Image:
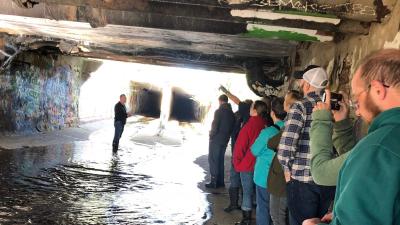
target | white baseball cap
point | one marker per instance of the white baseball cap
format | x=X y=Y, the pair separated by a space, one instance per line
x=316 y=77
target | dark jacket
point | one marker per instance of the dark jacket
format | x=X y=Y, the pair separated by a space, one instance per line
x=241 y=117
x=120 y=113
x=222 y=124
x=276 y=178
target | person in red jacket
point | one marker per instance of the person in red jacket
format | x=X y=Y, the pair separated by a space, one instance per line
x=243 y=159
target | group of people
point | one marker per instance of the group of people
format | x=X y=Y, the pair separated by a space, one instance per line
x=301 y=158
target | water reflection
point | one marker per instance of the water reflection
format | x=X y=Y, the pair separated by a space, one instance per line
x=86 y=183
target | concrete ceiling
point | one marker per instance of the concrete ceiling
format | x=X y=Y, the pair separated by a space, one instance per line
x=222 y=35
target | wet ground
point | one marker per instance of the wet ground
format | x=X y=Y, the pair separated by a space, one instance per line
x=155 y=178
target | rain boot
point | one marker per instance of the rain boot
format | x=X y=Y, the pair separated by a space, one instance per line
x=212 y=184
x=246 y=220
x=233 y=198
x=115 y=147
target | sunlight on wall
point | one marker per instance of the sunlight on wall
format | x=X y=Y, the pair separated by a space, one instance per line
x=101 y=91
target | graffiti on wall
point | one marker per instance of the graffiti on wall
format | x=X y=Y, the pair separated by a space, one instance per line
x=35 y=99
x=305 y=6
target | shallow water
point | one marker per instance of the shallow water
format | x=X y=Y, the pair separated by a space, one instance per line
x=150 y=180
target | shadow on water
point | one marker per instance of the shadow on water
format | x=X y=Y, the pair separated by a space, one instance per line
x=85 y=183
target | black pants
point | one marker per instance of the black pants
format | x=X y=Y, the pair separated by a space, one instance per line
x=307 y=201
x=216 y=158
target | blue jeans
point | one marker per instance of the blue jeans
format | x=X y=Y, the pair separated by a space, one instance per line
x=119 y=129
x=247 y=186
x=307 y=201
x=234 y=177
x=262 y=211
x=278 y=210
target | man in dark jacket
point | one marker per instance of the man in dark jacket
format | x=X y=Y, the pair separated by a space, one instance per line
x=221 y=130
x=119 y=120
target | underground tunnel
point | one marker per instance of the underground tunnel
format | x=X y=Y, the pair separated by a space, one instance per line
x=68 y=102
x=43 y=91
x=146 y=100
x=183 y=106
x=64 y=64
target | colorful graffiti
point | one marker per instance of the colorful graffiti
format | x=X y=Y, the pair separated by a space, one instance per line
x=35 y=99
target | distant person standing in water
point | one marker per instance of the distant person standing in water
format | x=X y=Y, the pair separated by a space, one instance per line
x=119 y=120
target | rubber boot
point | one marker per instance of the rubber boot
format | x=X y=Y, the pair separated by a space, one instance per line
x=115 y=148
x=246 y=220
x=212 y=184
x=233 y=198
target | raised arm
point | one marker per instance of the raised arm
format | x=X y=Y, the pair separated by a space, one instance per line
x=232 y=97
x=325 y=166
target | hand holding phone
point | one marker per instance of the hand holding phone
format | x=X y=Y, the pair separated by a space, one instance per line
x=324 y=105
x=343 y=112
x=334 y=100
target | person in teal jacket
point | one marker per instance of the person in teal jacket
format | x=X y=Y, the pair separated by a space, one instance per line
x=368 y=188
x=264 y=157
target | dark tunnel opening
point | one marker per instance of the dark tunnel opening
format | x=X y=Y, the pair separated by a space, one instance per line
x=184 y=108
x=147 y=102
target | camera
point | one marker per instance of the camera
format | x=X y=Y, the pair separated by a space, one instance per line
x=335 y=99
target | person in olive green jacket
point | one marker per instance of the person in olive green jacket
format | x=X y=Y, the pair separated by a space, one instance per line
x=326 y=133
x=368 y=188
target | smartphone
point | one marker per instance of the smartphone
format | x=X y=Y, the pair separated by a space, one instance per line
x=335 y=99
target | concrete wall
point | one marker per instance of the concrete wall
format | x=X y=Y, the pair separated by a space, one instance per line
x=39 y=93
x=341 y=59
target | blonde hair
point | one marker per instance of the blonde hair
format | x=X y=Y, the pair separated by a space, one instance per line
x=291 y=97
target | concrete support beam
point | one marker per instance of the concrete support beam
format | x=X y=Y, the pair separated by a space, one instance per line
x=204 y=16
x=271 y=15
x=345 y=26
x=135 y=38
x=199 y=10
x=367 y=11
x=157 y=15
x=155 y=46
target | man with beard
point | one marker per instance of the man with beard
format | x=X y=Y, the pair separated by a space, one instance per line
x=369 y=181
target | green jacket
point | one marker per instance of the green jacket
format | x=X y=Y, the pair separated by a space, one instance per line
x=325 y=134
x=368 y=190
x=276 y=178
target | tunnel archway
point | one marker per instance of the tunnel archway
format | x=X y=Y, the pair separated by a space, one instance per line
x=146 y=100
x=185 y=108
